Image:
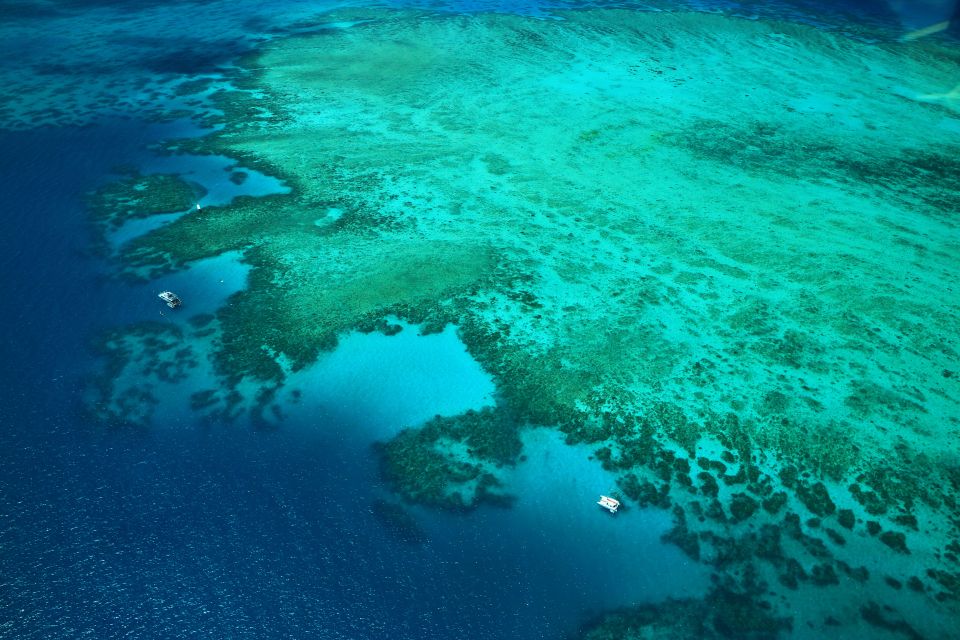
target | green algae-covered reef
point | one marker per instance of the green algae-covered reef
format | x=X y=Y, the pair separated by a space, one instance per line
x=731 y=609
x=139 y=196
x=453 y=462
x=723 y=252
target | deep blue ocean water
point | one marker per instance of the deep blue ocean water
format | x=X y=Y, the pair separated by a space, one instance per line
x=188 y=530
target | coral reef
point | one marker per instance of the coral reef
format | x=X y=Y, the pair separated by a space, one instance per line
x=732 y=609
x=453 y=462
x=657 y=241
x=136 y=360
x=138 y=196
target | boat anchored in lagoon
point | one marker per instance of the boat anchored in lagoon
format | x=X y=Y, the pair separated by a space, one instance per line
x=173 y=300
x=608 y=503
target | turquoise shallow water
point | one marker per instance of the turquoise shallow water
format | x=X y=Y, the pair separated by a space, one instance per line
x=715 y=262
x=568 y=556
x=388 y=383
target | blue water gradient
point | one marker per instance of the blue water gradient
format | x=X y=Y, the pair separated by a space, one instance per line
x=196 y=530
x=191 y=530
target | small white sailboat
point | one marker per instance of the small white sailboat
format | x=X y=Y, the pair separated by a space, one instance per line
x=198 y=206
x=173 y=300
x=608 y=503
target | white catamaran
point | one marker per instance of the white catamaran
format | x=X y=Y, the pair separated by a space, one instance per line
x=609 y=504
x=173 y=300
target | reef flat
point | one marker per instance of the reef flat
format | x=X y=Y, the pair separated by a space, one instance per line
x=138 y=197
x=722 y=251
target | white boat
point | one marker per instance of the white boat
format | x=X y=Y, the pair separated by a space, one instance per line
x=173 y=300
x=609 y=504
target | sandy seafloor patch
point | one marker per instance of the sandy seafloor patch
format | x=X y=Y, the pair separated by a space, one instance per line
x=719 y=254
